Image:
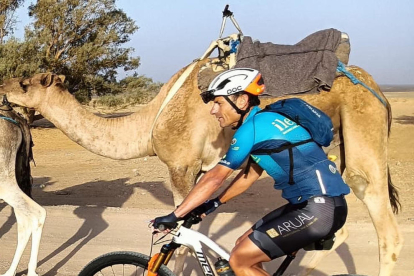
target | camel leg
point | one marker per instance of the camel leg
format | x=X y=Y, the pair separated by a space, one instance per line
x=367 y=175
x=390 y=240
x=30 y=219
x=340 y=236
x=182 y=181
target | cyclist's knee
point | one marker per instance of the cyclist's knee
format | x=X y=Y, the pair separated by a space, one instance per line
x=234 y=262
x=242 y=266
x=244 y=236
x=240 y=256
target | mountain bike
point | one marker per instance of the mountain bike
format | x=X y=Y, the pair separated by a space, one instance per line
x=133 y=263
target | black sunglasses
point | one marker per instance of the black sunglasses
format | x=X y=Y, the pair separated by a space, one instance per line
x=208 y=95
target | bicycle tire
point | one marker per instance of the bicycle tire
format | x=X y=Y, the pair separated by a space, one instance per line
x=348 y=275
x=123 y=259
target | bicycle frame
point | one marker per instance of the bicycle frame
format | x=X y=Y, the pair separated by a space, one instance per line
x=194 y=241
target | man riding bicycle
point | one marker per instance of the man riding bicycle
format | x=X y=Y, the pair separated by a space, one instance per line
x=314 y=190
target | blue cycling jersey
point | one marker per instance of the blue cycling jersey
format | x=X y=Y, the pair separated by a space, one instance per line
x=313 y=173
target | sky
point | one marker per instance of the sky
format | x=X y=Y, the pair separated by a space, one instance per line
x=172 y=34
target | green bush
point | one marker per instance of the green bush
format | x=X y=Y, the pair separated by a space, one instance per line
x=111 y=100
x=82 y=96
x=130 y=91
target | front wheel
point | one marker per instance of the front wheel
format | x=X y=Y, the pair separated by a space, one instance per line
x=121 y=263
x=348 y=275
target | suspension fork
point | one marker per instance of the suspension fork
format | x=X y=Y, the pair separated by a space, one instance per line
x=162 y=258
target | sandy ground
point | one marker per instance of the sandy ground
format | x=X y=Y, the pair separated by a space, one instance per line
x=97 y=205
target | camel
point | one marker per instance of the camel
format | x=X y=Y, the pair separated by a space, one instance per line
x=178 y=128
x=15 y=187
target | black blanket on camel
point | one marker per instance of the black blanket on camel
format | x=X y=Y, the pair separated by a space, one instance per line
x=306 y=67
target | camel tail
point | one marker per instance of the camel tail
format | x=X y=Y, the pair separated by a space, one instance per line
x=394 y=196
x=389 y=112
x=392 y=190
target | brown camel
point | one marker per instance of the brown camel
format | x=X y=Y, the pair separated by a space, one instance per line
x=15 y=187
x=189 y=141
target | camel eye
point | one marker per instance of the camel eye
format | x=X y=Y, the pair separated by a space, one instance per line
x=23 y=86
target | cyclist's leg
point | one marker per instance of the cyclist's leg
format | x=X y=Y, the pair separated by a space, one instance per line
x=298 y=225
x=246 y=258
x=244 y=236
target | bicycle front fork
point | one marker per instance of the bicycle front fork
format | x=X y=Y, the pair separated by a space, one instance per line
x=162 y=258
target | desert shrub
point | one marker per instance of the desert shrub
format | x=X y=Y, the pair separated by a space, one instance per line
x=130 y=91
x=82 y=96
x=111 y=100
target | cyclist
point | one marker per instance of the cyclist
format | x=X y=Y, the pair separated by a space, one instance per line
x=316 y=205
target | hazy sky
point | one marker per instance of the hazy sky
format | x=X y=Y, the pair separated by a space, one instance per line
x=173 y=33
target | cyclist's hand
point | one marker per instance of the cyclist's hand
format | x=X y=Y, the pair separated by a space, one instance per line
x=208 y=207
x=165 y=223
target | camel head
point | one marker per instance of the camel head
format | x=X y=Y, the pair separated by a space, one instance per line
x=32 y=92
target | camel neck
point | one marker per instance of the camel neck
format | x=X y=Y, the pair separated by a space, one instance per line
x=118 y=138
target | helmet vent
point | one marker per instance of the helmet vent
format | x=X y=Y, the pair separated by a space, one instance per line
x=222 y=84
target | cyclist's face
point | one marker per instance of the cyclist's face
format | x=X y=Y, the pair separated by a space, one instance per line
x=224 y=112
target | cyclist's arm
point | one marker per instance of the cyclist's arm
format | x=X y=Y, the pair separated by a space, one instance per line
x=241 y=183
x=208 y=184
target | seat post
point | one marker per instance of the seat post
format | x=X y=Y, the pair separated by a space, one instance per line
x=282 y=268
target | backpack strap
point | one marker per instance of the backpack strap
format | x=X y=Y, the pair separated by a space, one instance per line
x=286 y=146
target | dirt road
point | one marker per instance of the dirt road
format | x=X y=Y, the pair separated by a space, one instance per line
x=96 y=205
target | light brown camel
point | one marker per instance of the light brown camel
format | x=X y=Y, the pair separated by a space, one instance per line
x=183 y=134
x=15 y=177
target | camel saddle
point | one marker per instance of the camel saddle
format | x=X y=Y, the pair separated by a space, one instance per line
x=308 y=66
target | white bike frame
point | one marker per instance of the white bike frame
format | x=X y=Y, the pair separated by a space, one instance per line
x=194 y=241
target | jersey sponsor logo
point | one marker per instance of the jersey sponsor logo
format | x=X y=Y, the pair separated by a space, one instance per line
x=285 y=126
x=234 y=90
x=234 y=141
x=224 y=162
x=301 y=221
x=319 y=199
x=272 y=233
x=313 y=110
x=235 y=148
x=332 y=168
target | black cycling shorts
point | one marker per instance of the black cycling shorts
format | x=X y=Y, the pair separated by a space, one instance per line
x=294 y=226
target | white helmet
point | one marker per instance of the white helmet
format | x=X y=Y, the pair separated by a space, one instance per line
x=234 y=81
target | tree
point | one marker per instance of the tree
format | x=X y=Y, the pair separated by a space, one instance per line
x=7 y=18
x=18 y=59
x=83 y=39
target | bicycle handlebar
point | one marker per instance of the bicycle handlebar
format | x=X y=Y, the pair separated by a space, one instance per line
x=190 y=219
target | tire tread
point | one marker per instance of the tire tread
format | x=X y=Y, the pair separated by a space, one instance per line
x=120 y=257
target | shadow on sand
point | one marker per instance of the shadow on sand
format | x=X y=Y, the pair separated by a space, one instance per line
x=250 y=206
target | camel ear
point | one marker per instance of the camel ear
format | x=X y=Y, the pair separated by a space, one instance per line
x=46 y=79
x=25 y=82
x=62 y=78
